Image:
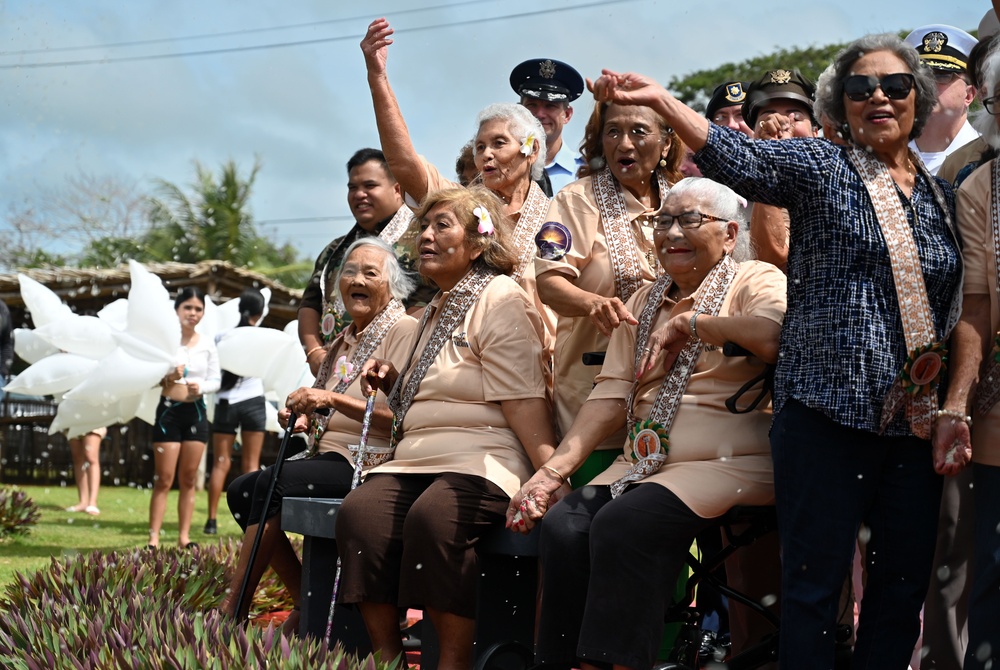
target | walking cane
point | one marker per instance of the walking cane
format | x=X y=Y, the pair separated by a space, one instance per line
x=275 y=473
x=359 y=461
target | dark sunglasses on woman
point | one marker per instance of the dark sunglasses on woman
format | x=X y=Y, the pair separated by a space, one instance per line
x=860 y=87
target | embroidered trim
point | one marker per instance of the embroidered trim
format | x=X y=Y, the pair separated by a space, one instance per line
x=622 y=249
x=708 y=300
x=533 y=212
x=393 y=230
x=453 y=310
x=370 y=338
x=989 y=385
x=911 y=292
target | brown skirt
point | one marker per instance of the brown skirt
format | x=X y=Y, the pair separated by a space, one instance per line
x=410 y=540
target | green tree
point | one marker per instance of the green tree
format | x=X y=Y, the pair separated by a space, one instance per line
x=696 y=88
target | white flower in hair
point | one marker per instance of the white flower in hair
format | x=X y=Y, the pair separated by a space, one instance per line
x=485 y=220
x=528 y=144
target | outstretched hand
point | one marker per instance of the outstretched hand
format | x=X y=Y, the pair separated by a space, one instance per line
x=375 y=45
x=626 y=89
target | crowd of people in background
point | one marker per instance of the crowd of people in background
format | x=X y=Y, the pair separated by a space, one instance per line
x=560 y=338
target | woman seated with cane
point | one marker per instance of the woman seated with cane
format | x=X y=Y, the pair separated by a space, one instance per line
x=664 y=377
x=373 y=285
x=471 y=423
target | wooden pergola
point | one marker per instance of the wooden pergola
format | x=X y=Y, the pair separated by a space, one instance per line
x=87 y=291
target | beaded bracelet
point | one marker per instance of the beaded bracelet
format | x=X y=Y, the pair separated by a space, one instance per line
x=955 y=414
x=555 y=472
x=694 y=324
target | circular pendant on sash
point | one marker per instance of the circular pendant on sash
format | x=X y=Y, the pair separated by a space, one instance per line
x=924 y=368
x=648 y=438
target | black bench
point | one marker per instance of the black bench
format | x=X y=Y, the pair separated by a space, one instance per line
x=507 y=593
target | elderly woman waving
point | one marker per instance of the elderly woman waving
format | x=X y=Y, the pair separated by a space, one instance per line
x=471 y=424
x=373 y=286
x=687 y=459
x=597 y=248
x=509 y=151
x=874 y=275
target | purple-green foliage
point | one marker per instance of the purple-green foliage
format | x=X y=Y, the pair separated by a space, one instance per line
x=142 y=609
x=18 y=512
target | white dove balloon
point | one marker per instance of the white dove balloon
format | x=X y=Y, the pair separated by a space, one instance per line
x=54 y=374
x=115 y=314
x=30 y=347
x=273 y=355
x=84 y=335
x=44 y=305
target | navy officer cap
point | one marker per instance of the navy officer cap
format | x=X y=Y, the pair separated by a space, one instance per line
x=546 y=79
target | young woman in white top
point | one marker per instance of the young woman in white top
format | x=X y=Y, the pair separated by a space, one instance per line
x=240 y=405
x=181 y=428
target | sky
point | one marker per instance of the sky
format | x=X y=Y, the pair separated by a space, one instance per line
x=303 y=109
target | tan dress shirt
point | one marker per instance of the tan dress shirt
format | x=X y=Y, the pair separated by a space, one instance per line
x=456 y=423
x=341 y=430
x=588 y=265
x=716 y=459
x=974 y=203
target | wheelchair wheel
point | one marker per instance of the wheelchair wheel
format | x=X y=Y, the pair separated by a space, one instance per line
x=505 y=656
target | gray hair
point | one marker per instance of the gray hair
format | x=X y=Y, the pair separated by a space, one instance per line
x=401 y=284
x=520 y=123
x=989 y=80
x=723 y=202
x=831 y=98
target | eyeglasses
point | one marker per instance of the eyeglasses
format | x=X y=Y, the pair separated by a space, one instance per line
x=945 y=78
x=687 y=220
x=895 y=86
x=991 y=105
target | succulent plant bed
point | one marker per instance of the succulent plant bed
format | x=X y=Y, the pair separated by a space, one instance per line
x=18 y=512
x=85 y=596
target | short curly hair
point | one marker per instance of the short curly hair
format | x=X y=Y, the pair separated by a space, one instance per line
x=495 y=249
x=831 y=98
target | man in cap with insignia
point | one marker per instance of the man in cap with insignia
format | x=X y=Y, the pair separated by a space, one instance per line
x=547 y=88
x=786 y=96
x=945 y=49
x=778 y=106
x=725 y=108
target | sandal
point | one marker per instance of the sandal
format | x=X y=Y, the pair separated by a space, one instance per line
x=92 y=510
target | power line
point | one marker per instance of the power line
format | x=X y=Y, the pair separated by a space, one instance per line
x=305 y=219
x=322 y=40
x=231 y=33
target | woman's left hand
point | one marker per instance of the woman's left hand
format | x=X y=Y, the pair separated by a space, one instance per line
x=952 y=445
x=301 y=420
x=305 y=401
x=530 y=504
x=670 y=339
x=193 y=390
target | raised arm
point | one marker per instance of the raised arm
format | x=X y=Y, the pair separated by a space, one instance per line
x=404 y=163
x=635 y=89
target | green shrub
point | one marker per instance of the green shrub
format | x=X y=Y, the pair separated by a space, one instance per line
x=143 y=609
x=18 y=512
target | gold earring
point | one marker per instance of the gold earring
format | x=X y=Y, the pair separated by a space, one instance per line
x=663 y=162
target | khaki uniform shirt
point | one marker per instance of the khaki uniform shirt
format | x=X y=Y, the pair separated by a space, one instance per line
x=973 y=207
x=588 y=265
x=342 y=430
x=456 y=423
x=716 y=459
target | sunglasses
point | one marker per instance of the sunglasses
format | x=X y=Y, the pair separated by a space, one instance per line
x=860 y=87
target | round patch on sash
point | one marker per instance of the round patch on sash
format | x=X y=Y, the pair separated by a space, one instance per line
x=553 y=240
x=924 y=368
x=647 y=439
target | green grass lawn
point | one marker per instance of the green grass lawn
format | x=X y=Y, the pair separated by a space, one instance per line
x=123 y=523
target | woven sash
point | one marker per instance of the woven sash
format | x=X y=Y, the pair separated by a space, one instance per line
x=371 y=337
x=708 y=300
x=533 y=212
x=453 y=310
x=622 y=247
x=989 y=384
x=912 y=388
